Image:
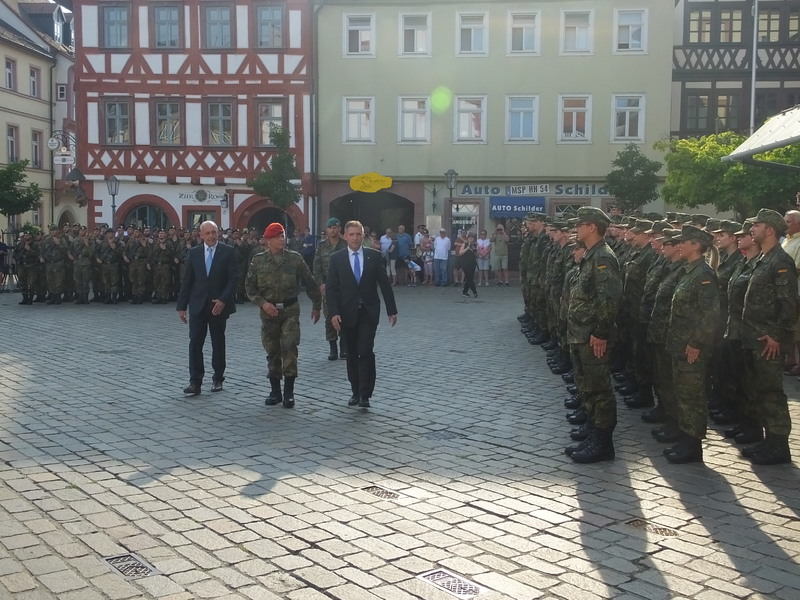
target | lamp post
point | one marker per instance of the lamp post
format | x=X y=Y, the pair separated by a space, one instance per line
x=112 y=183
x=451 y=180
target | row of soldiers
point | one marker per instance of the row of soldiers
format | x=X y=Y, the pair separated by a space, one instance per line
x=134 y=264
x=692 y=311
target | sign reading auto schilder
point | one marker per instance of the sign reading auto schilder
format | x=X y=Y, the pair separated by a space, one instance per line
x=534 y=189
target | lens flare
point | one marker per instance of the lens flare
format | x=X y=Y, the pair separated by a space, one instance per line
x=441 y=99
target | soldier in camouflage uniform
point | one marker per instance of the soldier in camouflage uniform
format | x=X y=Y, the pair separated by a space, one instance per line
x=26 y=257
x=161 y=260
x=54 y=257
x=322 y=258
x=524 y=257
x=535 y=265
x=768 y=321
x=593 y=306
x=273 y=284
x=109 y=257
x=137 y=255
x=81 y=254
x=693 y=320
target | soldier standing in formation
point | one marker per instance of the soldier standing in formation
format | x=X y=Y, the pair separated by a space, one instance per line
x=322 y=258
x=81 y=254
x=26 y=256
x=273 y=284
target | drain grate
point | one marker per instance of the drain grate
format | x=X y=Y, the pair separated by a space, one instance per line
x=652 y=528
x=443 y=434
x=380 y=492
x=131 y=566
x=451 y=583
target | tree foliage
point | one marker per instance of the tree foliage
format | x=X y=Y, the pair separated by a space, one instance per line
x=697 y=175
x=634 y=181
x=17 y=196
x=276 y=183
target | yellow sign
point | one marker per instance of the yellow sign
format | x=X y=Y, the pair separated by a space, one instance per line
x=370 y=182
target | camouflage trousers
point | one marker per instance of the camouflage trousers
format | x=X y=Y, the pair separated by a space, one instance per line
x=526 y=297
x=729 y=382
x=330 y=332
x=766 y=399
x=27 y=276
x=162 y=279
x=280 y=337
x=55 y=277
x=82 y=275
x=691 y=402
x=538 y=305
x=662 y=379
x=641 y=356
x=137 y=272
x=593 y=378
x=110 y=275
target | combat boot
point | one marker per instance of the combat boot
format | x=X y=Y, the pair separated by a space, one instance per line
x=334 y=353
x=577 y=417
x=668 y=433
x=774 y=451
x=551 y=345
x=107 y=299
x=568 y=377
x=572 y=402
x=655 y=415
x=24 y=299
x=749 y=434
x=642 y=399
x=598 y=446
x=579 y=434
x=689 y=449
x=288 y=392
x=275 y=396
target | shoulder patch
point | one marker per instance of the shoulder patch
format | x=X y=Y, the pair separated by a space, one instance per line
x=602 y=266
x=705 y=282
x=782 y=270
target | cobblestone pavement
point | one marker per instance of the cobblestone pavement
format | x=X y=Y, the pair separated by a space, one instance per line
x=101 y=456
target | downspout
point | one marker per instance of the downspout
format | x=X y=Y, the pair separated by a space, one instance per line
x=315 y=112
x=52 y=166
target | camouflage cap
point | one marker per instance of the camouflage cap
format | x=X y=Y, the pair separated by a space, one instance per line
x=670 y=216
x=771 y=218
x=592 y=214
x=745 y=230
x=573 y=222
x=53 y=227
x=728 y=226
x=534 y=216
x=699 y=219
x=615 y=219
x=712 y=225
x=658 y=227
x=630 y=223
x=671 y=236
x=654 y=216
x=691 y=233
x=642 y=226
x=682 y=218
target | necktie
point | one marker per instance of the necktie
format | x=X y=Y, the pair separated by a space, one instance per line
x=209 y=258
x=356 y=267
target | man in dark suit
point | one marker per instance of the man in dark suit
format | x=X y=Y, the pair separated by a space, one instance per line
x=208 y=288
x=351 y=289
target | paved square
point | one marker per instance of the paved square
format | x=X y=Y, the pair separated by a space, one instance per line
x=101 y=455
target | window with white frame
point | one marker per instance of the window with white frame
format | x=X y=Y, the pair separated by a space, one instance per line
x=115 y=25
x=269 y=24
x=470 y=119
x=415 y=35
x=167 y=26
x=35 y=82
x=12 y=144
x=11 y=74
x=521 y=118
x=117 y=122
x=472 y=33
x=630 y=31
x=168 y=123
x=359 y=35
x=220 y=124
x=36 y=149
x=61 y=92
x=576 y=31
x=219 y=27
x=574 y=119
x=270 y=115
x=414 y=119
x=359 y=120
x=628 y=118
x=523 y=35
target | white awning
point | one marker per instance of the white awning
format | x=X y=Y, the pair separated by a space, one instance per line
x=781 y=130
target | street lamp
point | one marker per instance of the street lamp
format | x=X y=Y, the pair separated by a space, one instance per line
x=451 y=180
x=112 y=183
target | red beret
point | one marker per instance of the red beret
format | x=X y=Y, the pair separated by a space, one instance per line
x=274 y=231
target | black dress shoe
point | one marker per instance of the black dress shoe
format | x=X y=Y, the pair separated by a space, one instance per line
x=216 y=386
x=192 y=389
x=363 y=403
x=353 y=400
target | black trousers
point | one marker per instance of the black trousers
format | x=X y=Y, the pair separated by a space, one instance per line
x=199 y=325
x=360 y=342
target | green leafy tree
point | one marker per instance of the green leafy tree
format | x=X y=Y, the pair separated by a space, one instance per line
x=634 y=181
x=276 y=183
x=17 y=196
x=696 y=174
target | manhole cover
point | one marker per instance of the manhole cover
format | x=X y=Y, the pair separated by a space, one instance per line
x=443 y=434
x=380 y=492
x=451 y=583
x=131 y=566
x=652 y=528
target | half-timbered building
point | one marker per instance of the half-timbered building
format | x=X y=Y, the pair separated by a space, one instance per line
x=177 y=99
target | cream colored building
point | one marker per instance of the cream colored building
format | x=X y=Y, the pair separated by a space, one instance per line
x=528 y=101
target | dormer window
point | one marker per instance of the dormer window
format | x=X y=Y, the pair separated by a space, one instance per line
x=58 y=27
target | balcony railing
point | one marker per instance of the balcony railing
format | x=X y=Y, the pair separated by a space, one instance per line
x=773 y=59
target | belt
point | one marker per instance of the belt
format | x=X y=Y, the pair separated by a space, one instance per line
x=285 y=304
